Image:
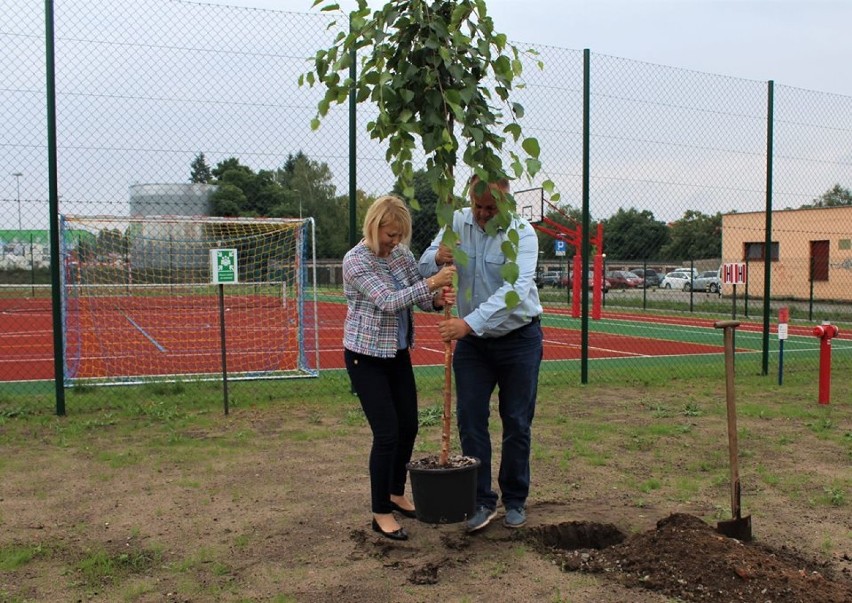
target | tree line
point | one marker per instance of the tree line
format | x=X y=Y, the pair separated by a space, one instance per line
x=303 y=187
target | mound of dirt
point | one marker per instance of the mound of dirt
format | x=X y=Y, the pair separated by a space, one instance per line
x=687 y=559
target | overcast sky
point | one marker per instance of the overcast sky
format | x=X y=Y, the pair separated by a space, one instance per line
x=800 y=43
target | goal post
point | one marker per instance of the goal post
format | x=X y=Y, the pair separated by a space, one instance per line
x=139 y=303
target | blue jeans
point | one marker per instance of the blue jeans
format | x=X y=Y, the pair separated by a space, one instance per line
x=388 y=395
x=510 y=363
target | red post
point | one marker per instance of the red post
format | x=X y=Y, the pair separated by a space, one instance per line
x=579 y=281
x=825 y=332
x=597 y=284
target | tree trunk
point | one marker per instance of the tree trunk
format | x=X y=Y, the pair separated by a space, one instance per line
x=448 y=395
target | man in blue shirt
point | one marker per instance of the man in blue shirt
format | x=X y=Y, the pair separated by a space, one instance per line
x=496 y=346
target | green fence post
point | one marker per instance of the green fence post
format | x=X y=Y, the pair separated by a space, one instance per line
x=767 y=259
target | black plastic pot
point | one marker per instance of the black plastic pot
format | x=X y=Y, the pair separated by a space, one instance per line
x=444 y=494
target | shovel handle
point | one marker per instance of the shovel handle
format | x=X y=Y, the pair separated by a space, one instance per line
x=729 y=326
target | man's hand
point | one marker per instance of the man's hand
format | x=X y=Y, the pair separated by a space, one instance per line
x=454 y=328
x=444 y=255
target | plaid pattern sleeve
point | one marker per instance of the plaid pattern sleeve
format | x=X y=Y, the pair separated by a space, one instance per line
x=373 y=299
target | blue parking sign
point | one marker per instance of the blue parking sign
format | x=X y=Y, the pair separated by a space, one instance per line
x=559 y=247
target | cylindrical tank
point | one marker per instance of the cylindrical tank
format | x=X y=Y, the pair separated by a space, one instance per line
x=164 y=246
x=171 y=199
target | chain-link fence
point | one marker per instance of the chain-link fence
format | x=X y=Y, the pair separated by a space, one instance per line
x=177 y=108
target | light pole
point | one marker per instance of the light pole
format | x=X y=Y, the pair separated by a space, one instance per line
x=17 y=176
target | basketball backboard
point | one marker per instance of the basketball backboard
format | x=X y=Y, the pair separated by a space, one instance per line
x=530 y=204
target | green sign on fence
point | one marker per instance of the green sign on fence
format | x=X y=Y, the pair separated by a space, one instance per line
x=223 y=265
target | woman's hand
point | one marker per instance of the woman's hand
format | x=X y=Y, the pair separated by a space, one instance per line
x=442 y=278
x=447 y=297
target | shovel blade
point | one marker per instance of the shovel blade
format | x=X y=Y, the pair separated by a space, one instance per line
x=739 y=528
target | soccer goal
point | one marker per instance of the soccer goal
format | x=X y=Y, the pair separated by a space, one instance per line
x=139 y=303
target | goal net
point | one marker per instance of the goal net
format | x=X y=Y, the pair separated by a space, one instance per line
x=139 y=302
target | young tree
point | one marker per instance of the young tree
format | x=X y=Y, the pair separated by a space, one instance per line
x=440 y=77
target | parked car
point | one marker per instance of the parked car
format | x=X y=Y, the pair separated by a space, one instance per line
x=677 y=280
x=687 y=270
x=650 y=277
x=606 y=285
x=621 y=279
x=548 y=279
x=707 y=281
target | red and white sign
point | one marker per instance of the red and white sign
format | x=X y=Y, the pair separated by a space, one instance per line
x=783 y=319
x=734 y=274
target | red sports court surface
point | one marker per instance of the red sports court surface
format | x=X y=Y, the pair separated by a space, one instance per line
x=190 y=342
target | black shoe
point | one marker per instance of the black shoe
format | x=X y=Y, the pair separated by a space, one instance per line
x=407 y=512
x=399 y=534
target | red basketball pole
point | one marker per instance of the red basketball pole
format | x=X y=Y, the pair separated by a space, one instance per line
x=597 y=280
x=577 y=284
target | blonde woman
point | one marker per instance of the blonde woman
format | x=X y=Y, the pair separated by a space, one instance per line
x=382 y=285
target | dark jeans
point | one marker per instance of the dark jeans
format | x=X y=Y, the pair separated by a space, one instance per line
x=510 y=363
x=388 y=396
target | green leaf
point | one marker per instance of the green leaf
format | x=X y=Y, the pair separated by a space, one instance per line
x=450 y=238
x=322 y=107
x=512 y=299
x=503 y=68
x=514 y=130
x=518 y=110
x=517 y=168
x=445 y=214
x=370 y=77
x=459 y=13
x=315 y=124
x=344 y=62
x=530 y=145
x=533 y=167
x=460 y=257
x=510 y=272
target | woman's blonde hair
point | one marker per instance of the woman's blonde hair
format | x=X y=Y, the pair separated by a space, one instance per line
x=388 y=210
